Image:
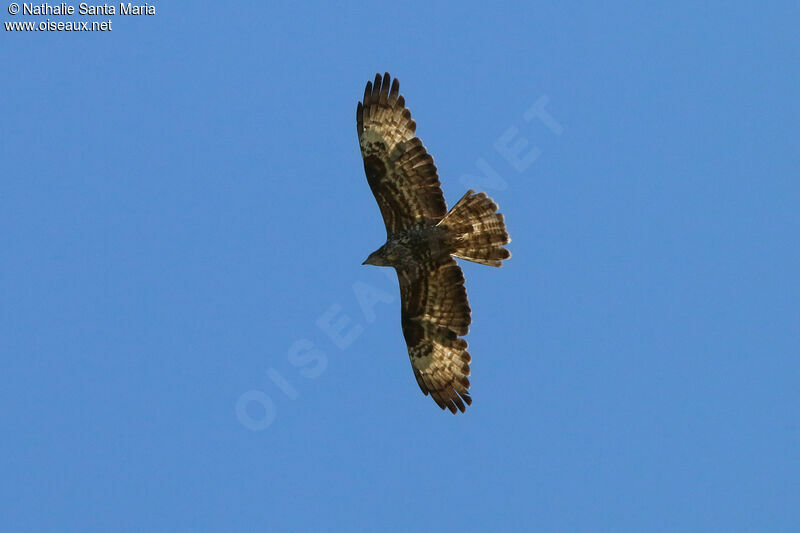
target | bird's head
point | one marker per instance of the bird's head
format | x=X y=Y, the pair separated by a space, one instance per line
x=378 y=258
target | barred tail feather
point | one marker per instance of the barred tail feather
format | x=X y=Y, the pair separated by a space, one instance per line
x=477 y=230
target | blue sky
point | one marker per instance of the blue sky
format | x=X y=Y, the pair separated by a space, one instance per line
x=184 y=335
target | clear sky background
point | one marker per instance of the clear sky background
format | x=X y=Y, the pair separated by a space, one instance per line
x=188 y=340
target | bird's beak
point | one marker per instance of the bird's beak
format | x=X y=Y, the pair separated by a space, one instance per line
x=365 y=261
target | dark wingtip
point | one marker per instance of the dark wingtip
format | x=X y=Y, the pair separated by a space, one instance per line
x=459 y=403
x=367 y=92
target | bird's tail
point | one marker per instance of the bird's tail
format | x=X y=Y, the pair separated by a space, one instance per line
x=477 y=231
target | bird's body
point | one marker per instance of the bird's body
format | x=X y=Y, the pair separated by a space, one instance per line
x=412 y=247
x=422 y=240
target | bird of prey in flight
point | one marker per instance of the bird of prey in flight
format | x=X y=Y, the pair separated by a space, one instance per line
x=422 y=238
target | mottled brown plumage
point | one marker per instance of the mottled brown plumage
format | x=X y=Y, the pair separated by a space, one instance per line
x=422 y=239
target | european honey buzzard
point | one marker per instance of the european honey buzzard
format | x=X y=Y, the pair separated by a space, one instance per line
x=422 y=239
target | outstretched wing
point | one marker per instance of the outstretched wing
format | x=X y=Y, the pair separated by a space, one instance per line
x=435 y=312
x=400 y=172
